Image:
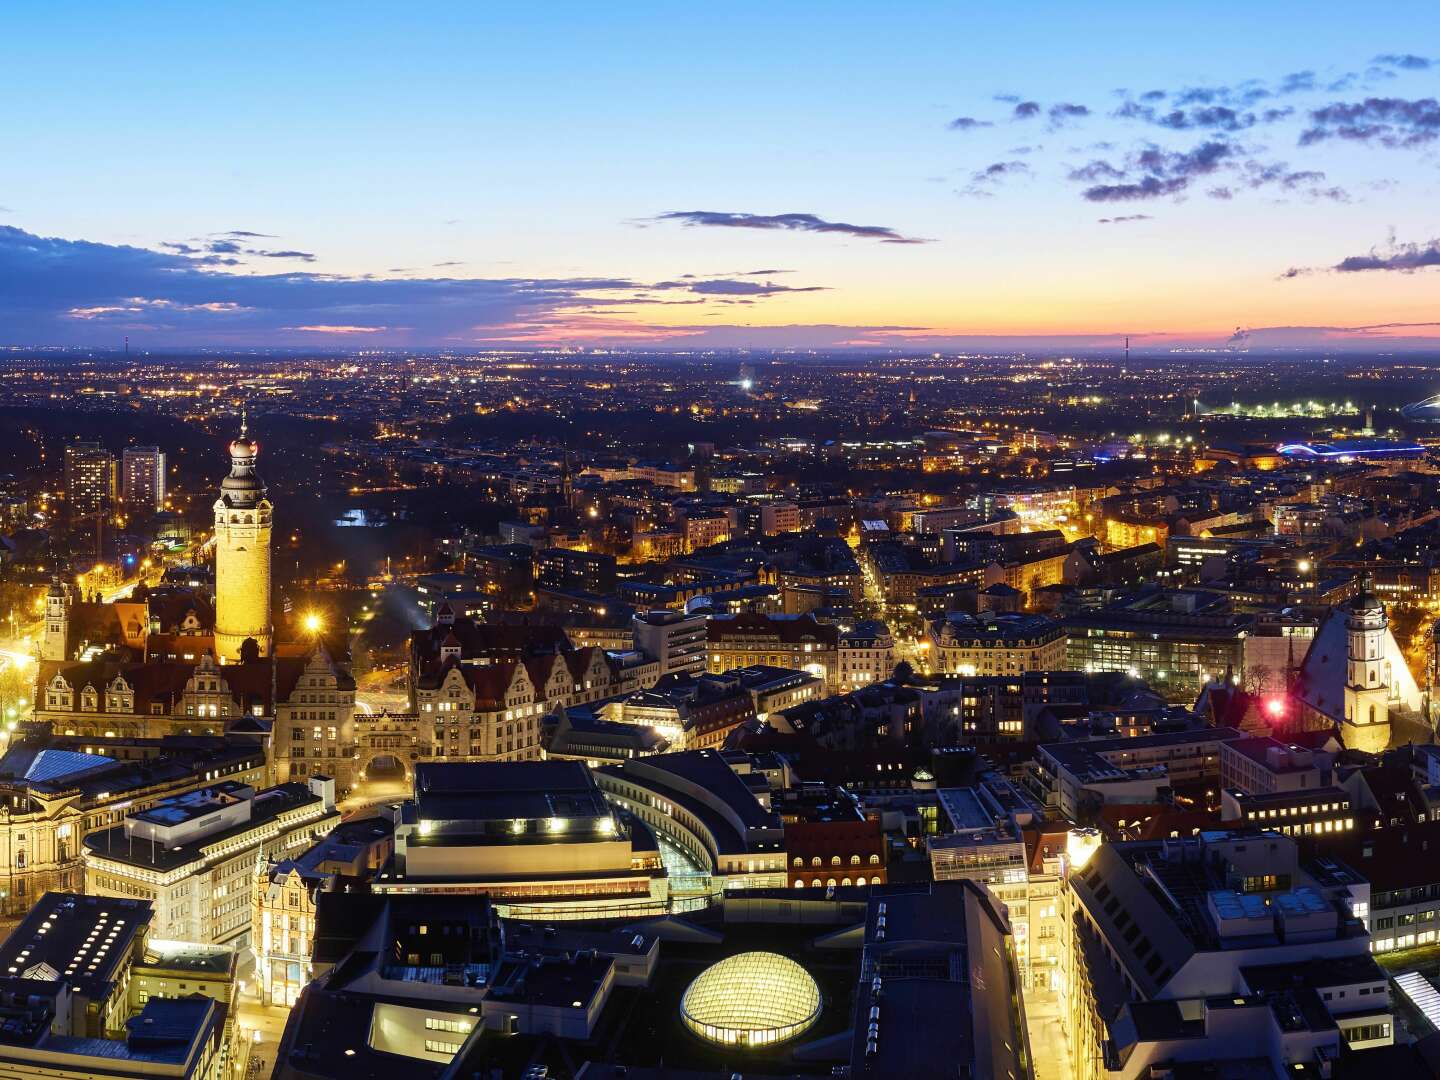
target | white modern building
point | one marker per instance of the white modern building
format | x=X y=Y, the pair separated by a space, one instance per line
x=194 y=856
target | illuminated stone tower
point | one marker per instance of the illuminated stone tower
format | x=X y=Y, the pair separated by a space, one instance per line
x=56 y=635
x=1367 y=674
x=242 y=555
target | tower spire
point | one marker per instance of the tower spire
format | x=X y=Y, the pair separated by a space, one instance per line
x=244 y=418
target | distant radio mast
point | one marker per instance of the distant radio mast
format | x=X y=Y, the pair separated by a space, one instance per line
x=127 y=345
x=1127 y=349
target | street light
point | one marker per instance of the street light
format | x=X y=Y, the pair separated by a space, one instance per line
x=314 y=623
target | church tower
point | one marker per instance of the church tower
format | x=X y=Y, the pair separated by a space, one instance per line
x=1367 y=674
x=242 y=555
x=54 y=640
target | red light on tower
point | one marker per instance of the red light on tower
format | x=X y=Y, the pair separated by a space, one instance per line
x=1276 y=708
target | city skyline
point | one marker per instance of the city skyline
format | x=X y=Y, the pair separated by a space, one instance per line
x=979 y=180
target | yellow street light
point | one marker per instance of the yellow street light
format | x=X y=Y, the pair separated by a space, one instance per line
x=314 y=623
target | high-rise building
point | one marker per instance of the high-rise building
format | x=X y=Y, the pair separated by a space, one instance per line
x=242 y=556
x=143 y=479
x=89 y=478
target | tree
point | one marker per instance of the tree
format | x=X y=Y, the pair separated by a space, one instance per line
x=903 y=672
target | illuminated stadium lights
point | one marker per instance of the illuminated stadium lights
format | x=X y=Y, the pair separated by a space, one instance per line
x=753 y=999
x=1349 y=448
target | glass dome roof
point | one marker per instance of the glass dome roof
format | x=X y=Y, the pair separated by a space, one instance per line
x=753 y=999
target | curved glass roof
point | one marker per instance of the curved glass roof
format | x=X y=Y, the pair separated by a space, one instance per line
x=752 y=999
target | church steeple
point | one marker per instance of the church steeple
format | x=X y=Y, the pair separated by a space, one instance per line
x=1368 y=674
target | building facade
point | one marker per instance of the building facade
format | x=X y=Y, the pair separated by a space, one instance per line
x=142 y=475
x=194 y=856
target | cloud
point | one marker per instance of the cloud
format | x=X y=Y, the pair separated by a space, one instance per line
x=1294 y=272
x=1154 y=172
x=1096 y=170
x=213 y=248
x=61 y=291
x=303 y=256
x=1403 y=61
x=1297 y=82
x=792 y=222
x=983 y=180
x=1026 y=110
x=1064 y=111
x=1397 y=123
x=1202 y=117
x=1123 y=219
x=1404 y=258
x=245 y=234
x=73 y=292
x=135 y=304
x=734 y=287
x=967 y=123
x=1150 y=187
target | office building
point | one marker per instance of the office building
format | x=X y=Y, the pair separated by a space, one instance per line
x=674 y=638
x=1174 y=641
x=59 y=791
x=788 y=641
x=87 y=993
x=938 y=984
x=1176 y=949
x=194 y=856
x=1076 y=778
x=435 y=985
x=992 y=644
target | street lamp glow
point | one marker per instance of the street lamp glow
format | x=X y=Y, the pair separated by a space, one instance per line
x=314 y=623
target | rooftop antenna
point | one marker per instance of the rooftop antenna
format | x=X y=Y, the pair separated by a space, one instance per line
x=1127 y=350
x=127 y=345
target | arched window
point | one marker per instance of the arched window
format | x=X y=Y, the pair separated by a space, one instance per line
x=815 y=860
x=799 y=861
x=874 y=860
x=854 y=860
x=816 y=883
x=860 y=881
x=831 y=883
x=834 y=860
x=845 y=881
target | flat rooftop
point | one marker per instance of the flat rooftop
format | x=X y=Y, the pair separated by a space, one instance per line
x=113 y=843
x=82 y=939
